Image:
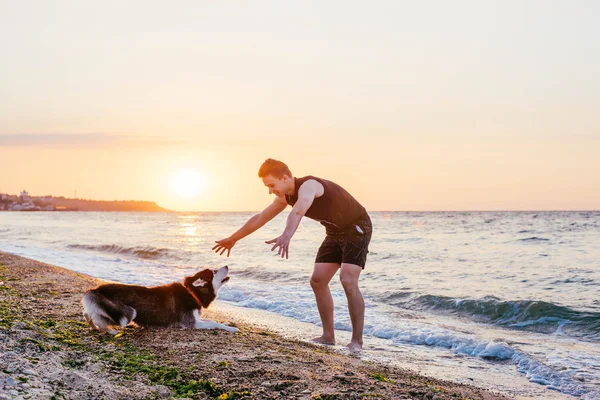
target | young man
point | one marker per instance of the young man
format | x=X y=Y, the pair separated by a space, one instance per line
x=348 y=228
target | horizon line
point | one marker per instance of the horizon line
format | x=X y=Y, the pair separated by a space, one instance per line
x=415 y=211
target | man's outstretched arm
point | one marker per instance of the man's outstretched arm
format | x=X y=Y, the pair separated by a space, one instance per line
x=254 y=223
x=307 y=193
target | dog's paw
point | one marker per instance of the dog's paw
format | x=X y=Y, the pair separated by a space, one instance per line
x=232 y=329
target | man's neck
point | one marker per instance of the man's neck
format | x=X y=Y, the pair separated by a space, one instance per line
x=293 y=186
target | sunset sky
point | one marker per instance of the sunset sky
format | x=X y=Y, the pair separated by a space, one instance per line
x=434 y=105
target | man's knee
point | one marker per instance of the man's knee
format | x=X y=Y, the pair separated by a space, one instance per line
x=317 y=281
x=322 y=274
x=349 y=283
x=349 y=277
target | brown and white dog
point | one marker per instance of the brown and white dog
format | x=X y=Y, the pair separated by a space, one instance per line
x=170 y=305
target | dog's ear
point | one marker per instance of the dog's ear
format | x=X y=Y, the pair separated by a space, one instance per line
x=199 y=282
x=202 y=278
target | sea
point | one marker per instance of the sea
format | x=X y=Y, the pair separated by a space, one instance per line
x=508 y=301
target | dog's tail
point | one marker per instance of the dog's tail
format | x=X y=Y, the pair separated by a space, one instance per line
x=96 y=304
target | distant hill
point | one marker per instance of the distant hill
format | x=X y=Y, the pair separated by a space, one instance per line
x=25 y=202
x=99 y=205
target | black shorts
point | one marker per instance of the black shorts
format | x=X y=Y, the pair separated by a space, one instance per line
x=349 y=246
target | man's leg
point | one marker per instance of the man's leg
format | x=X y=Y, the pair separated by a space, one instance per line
x=319 y=281
x=356 y=305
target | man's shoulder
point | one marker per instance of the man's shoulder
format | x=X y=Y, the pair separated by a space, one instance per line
x=314 y=184
x=312 y=178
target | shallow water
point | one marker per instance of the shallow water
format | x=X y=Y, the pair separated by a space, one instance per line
x=457 y=294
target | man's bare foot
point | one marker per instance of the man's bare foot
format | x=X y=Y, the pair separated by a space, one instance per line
x=324 y=340
x=354 y=347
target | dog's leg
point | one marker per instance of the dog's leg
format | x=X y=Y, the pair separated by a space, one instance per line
x=200 y=323
x=188 y=320
x=129 y=314
x=206 y=324
x=103 y=323
x=90 y=321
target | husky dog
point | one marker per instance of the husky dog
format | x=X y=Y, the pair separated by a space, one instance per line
x=170 y=305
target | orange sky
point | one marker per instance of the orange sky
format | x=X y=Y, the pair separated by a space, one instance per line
x=411 y=176
x=474 y=107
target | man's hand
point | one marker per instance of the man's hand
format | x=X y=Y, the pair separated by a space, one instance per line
x=283 y=242
x=224 y=244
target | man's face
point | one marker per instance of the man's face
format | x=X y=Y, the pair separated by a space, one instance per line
x=278 y=187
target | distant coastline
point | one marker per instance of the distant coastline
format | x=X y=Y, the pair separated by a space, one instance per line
x=25 y=202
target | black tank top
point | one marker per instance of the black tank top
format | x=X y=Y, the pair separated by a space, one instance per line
x=336 y=209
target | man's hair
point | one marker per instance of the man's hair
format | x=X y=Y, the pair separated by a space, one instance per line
x=275 y=168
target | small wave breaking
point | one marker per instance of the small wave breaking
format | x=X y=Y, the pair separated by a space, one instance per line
x=145 y=252
x=534 y=239
x=269 y=276
x=531 y=315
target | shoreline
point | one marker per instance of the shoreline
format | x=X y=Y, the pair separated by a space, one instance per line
x=48 y=351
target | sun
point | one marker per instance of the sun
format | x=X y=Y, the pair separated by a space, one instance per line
x=187 y=183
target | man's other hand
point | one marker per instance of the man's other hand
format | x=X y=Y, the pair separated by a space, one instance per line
x=283 y=242
x=224 y=244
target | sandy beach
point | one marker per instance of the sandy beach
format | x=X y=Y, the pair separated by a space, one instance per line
x=47 y=351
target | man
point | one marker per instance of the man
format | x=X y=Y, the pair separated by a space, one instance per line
x=348 y=228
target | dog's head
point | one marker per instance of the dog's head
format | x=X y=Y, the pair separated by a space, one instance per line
x=206 y=284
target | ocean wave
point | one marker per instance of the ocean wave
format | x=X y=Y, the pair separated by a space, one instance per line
x=261 y=274
x=531 y=315
x=577 y=280
x=145 y=252
x=534 y=239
